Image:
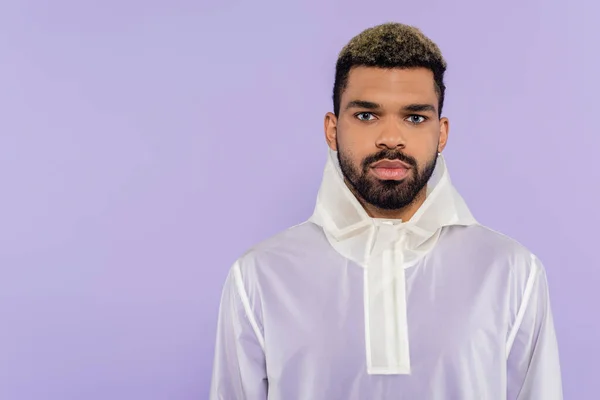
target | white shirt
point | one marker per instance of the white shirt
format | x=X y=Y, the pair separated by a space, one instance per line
x=345 y=306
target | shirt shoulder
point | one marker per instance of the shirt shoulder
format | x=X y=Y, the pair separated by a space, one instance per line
x=292 y=245
x=484 y=238
x=498 y=250
x=268 y=262
x=493 y=258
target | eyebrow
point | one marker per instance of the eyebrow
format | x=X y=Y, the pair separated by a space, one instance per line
x=369 y=105
x=419 y=108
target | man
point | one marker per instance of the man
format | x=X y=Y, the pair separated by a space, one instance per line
x=391 y=290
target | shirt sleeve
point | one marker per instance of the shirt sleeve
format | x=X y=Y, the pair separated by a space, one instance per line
x=533 y=367
x=239 y=371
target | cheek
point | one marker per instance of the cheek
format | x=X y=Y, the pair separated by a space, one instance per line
x=356 y=143
x=424 y=143
x=354 y=154
x=351 y=156
x=348 y=153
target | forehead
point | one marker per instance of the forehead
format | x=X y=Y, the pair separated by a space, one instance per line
x=390 y=86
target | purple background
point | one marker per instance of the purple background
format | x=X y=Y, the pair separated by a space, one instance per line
x=144 y=145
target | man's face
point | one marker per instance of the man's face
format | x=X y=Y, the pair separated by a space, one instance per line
x=388 y=134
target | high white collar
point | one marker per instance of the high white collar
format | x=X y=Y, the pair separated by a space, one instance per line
x=385 y=248
x=357 y=236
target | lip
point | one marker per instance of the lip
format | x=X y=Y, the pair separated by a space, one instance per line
x=391 y=164
x=394 y=170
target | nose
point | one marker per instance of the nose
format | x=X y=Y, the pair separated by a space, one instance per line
x=391 y=136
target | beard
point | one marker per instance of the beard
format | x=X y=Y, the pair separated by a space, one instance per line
x=386 y=194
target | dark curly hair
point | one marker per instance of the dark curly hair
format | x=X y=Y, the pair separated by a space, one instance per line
x=390 y=45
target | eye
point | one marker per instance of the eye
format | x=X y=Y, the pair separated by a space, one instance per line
x=416 y=119
x=365 y=116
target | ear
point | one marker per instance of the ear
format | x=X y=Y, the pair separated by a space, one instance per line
x=444 y=130
x=331 y=130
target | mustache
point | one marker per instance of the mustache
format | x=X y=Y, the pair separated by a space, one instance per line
x=388 y=155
